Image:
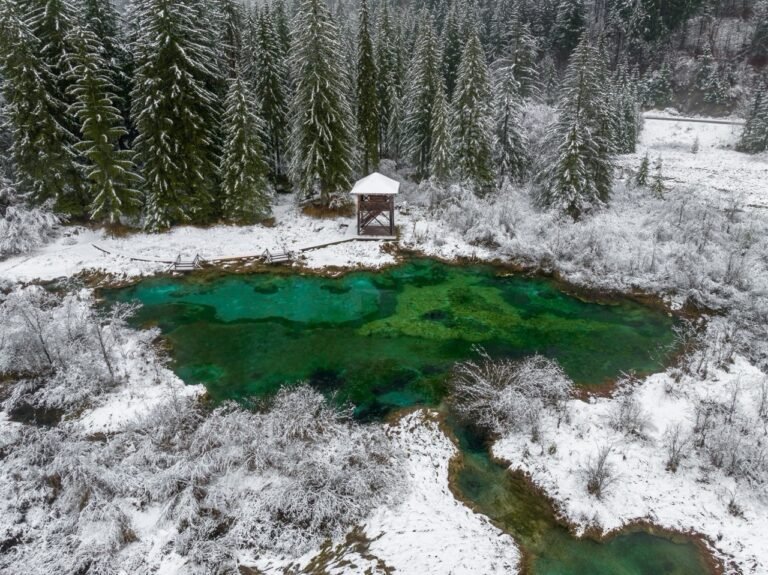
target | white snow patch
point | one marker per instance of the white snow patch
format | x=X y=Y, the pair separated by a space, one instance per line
x=692 y=499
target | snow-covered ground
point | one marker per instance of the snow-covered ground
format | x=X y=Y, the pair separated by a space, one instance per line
x=430 y=531
x=716 y=170
x=694 y=498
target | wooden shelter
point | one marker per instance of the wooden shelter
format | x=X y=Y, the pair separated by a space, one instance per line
x=375 y=199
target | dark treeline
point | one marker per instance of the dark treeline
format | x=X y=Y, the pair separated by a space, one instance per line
x=176 y=111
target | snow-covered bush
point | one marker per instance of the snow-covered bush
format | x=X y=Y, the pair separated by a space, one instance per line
x=627 y=414
x=61 y=352
x=23 y=228
x=216 y=481
x=499 y=396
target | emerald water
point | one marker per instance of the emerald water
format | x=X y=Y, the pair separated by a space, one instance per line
x=386 y=340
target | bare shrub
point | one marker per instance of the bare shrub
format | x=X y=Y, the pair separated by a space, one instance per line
x=499 y=396
x=599 y=472
x=627 y=415
x=677 y=444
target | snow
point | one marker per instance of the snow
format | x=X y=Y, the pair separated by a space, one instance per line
x=717 y=171
x=695 y=498
x=429 y=531
x=74 y=252
x=377 y=184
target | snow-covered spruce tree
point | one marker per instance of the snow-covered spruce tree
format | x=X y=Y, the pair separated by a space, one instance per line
x=657 y=186
x=51 y=21
x=423 y=79
x=518 y=50
x=244 y=184
x=365 y=90
x=629 y=118
x=442 y=159
x=102 y=19
x=569 y=27
x=473 y=122
x=510 y=149
x=42 y=146
x=452 y=42
x=388 y=85
x=641 y=179
x=175 y=113
x=754 y=139
x=268 y=73
x=112 y=180
x=230 y=22
x=322 y=140
x=579 y=178
x=758 y=47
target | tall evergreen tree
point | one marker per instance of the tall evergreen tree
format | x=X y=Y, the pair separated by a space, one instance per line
x=42 y=146
x=441 y=156
x=244 y=183
x=754 y=139
x=111 y=174
x=103 y=20
x=175 y=113
x=629 y=118
x=521 y=52
x=474 y=119
x=452 y=47
x=388 y=81
x=423 y=79
x=511 y=154
x=322 y=138
x=230 y=22
x=758 y=47
x=569 y=26
x=579 y=178
x=51 y=21
x=367 y=102
x=269 y=81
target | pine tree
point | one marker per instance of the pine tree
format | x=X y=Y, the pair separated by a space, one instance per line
x=51 y=21
x=322 y=140
x=423 y=79
x=269 y=81
x=244 y=183
x=518 y=51
x=452 y=47
x=474 y=120
x=230 y=21
x=42 y=147
x=110 y=170
x=388 y=85
x=367 y=102
x=657 y=187
x=441 y=156
x=579 y=178
x=627 y=113
x=657 y=88
x=175 y=113
x=758 y=48
x=511 y=155
x=754 y=138
x=569 y=26
x=641 y=179
x=101 y=17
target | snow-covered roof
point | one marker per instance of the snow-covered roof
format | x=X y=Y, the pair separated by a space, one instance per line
x=376 y=184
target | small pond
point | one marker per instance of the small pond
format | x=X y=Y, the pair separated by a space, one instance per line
x=386 y=340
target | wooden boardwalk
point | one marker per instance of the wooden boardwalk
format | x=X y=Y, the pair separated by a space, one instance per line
x=267 y=256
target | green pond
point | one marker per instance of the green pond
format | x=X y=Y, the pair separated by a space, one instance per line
x=387 y=340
